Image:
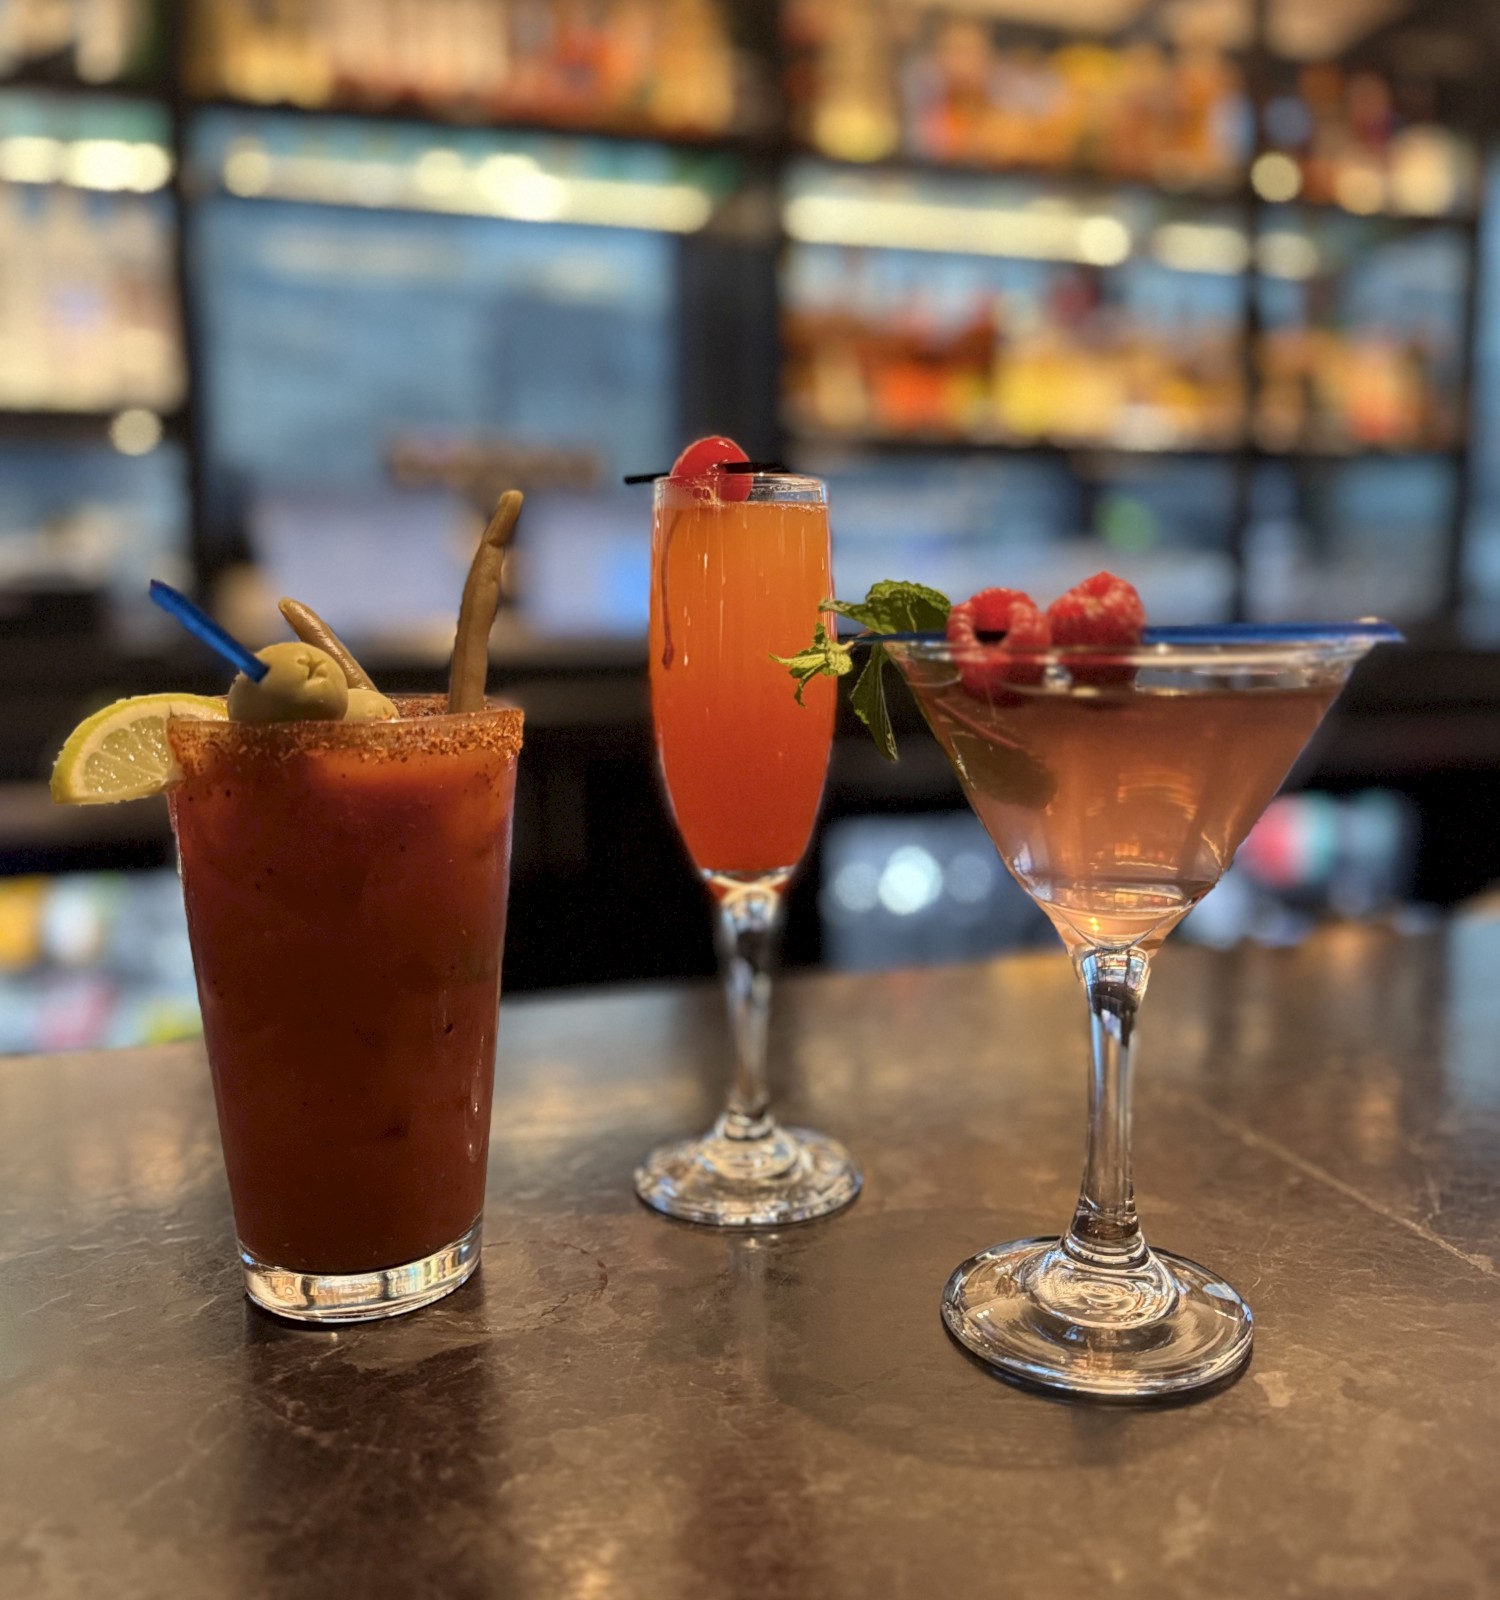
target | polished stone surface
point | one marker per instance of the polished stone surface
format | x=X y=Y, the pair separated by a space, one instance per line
x=623 y=1406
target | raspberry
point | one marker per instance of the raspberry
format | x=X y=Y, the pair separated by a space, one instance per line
x=1102 y=610
x=997 y=622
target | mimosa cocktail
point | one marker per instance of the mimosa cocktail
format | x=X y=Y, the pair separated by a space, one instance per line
x=734 y=583
x=740 y=568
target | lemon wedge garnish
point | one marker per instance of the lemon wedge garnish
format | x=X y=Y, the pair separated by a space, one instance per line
x=122 y=753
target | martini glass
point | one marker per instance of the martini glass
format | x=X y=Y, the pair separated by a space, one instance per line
x=739 y=571
x=1117 y=786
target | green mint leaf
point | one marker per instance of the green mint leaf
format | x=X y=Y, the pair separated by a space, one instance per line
x=897 y=608
x=825 y=657
x=888 y=608
x=868 y=701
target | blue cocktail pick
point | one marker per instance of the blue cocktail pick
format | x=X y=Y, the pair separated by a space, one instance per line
x=202 y=626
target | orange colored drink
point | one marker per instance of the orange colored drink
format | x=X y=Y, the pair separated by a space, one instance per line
x=734 y=582
x=346 y=892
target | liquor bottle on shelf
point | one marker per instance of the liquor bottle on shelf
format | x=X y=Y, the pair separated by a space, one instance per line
x=98 y=41
x=1350 y=389
x=1137 y=111
x=847 y=97
x=1063 y=367
x=665 y=66
x=1354 y=141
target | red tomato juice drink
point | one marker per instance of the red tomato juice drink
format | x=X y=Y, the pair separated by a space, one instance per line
x=346 y=892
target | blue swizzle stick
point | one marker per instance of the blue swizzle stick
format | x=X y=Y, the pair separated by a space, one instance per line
x=202 y=626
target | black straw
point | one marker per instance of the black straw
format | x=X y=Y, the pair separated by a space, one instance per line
x=718 y=466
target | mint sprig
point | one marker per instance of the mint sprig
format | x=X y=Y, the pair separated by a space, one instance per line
x=825 y=657
x=889 y=607
x=892 y=607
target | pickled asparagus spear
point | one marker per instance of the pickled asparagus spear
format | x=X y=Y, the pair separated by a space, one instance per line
x=476 y=615
x=310 y=628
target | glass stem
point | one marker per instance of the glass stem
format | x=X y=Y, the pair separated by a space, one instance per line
x=749 y=921
x=1105 y=1232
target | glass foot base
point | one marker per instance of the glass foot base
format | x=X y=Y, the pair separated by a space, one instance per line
x=1027 y=1310
x=330 y=1297
x=787 y=1175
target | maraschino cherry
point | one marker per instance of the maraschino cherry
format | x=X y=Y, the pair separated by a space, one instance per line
x=698 y=463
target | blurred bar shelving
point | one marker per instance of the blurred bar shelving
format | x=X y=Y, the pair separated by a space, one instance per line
x=365 y=368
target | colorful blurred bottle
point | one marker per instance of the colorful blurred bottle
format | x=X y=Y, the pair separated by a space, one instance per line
x=665 y=66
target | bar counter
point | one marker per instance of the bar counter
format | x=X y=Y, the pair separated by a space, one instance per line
x=623 y=1406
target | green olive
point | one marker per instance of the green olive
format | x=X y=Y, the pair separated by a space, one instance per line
x=305 y=684
x=369 y=705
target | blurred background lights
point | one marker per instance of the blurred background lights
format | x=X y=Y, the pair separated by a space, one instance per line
x=1360 y=190
x=439 y=173
x=911 y=882
x=106 y=165
x=1287 y=255
x=970 y=877
x=1201 y=247
x=247 y=168
x=824 y=214
x=1103 y=241
x=30 y=158
x=856 y=887
x=135 y=431
x=1276 y=177
x=507 y=184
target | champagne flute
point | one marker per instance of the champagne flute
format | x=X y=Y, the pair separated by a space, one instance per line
x=740 y=568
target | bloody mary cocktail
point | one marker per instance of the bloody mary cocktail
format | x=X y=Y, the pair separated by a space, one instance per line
x=346 y=891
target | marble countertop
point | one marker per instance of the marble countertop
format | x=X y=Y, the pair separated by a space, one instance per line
x=620 y=1406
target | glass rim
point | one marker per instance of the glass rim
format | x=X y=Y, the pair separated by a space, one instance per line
x=1246 y=645
x=786 y=477
x=431 y=722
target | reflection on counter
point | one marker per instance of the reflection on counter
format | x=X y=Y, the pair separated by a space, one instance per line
x=94 y=960
x=1471 y=1008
